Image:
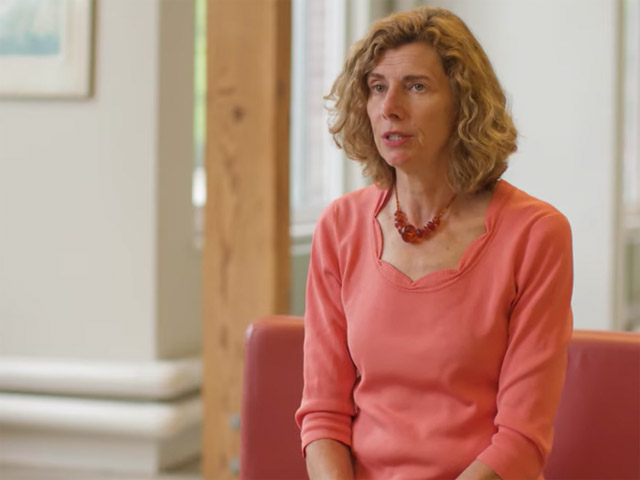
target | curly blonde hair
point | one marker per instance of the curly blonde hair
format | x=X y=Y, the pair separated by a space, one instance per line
x=484 y=134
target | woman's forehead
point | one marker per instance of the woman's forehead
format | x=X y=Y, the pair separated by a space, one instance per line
x=417 y=59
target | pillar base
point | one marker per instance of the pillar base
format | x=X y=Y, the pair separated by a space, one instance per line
x=156 y=426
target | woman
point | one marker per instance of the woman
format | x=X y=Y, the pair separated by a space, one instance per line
x=438 y=300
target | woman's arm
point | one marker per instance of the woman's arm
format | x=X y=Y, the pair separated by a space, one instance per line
x=327 y=408
x=329 y=459
x=533 y=368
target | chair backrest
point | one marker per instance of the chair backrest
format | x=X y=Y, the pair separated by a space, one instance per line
x=597 y=430
x=272 y=389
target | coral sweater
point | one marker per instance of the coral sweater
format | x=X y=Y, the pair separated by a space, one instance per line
x=420 y=378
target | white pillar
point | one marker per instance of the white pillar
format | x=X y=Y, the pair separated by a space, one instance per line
x=99 y=273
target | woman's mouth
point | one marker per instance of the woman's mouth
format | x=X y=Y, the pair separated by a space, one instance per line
x=395 y=139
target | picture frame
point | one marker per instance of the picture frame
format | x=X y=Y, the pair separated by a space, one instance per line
x=46 y=48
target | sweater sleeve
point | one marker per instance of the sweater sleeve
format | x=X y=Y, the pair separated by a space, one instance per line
x=533 y=369
x=327 y=406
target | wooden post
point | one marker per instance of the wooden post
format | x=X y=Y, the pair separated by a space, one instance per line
x=246 y=251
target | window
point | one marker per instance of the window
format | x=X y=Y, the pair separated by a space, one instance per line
x=631 y=108
x=199 y=182
x=631 y=162
x=321 y=33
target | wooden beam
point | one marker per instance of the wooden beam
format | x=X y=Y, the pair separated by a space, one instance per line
x=246 y=251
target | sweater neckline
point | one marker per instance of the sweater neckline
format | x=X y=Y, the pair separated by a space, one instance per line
x=438 y=278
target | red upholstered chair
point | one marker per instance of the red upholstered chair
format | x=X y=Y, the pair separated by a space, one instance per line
x=272 y=389
x=597 y=430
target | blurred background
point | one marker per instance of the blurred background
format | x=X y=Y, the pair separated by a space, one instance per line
x=103 y=194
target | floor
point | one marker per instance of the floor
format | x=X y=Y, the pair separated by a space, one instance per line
x=187 y=472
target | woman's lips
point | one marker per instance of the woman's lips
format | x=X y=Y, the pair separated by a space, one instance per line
x=395 y=139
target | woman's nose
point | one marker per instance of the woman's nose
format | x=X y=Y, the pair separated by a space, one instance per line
x=392 y=104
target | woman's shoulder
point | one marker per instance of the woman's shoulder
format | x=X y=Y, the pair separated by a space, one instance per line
x=353 y=205
x=360 y=198
x=519 y=210
x=342 y=225
x=518 y=204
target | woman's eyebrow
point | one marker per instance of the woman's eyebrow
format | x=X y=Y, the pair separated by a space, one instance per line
x=409 y=78
x=375 y=75
x=406 y=78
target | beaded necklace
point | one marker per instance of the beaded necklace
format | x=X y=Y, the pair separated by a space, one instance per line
x=411 y=234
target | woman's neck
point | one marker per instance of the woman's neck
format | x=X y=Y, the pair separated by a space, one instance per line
x=422 y=197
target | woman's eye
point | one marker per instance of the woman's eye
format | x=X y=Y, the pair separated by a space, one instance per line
x=377 y=88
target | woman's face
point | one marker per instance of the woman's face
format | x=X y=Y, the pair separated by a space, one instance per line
x=411 y=107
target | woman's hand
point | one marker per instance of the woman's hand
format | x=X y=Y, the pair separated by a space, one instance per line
x=478 y=471
x=329 y=460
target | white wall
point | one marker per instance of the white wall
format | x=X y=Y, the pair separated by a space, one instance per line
x=84 y=242
x=556 y=59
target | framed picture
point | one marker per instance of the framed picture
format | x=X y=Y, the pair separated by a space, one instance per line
x=45 y=48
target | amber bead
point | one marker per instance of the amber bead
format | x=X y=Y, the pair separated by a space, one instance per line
x=409 y=234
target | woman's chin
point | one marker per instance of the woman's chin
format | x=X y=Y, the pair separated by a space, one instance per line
x=412 y=164
x=397 y=161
